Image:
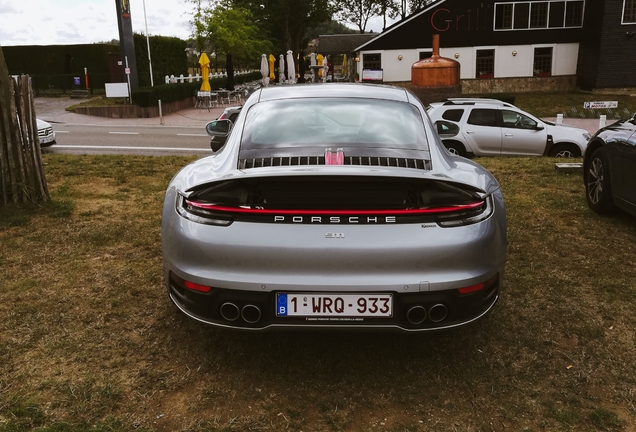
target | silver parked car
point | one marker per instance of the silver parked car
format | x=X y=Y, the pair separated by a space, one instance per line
x=333 y=206
x=489 y=127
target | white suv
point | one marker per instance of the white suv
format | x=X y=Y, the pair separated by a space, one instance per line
x=489 y=127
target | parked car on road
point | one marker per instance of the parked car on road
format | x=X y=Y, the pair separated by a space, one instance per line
x=45 y=133
x=489 y=127
x=609 y=168
x=333 y=206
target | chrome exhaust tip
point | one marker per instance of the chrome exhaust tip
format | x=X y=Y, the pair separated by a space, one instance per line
x=230 y=311
x=251 y=313
x=416 y=315
x=438 y=313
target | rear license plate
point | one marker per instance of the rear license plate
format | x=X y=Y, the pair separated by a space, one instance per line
x=334 y=305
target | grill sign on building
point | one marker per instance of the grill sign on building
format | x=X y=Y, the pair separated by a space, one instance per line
x=600 y=105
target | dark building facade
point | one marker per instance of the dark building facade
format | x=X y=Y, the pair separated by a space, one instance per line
x=589 y=43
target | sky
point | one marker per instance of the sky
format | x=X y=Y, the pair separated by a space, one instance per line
x=67 y=22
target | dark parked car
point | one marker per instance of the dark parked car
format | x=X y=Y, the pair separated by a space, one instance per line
x=229 y=113
x=333 y=206
x=609 y=168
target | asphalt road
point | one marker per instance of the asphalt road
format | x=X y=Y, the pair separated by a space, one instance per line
x=181 y=133
x=124 y=139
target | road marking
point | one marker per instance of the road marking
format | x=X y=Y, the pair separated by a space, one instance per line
x=132 y=148
x=124 y=133
x=59 y=131
x=194 y=135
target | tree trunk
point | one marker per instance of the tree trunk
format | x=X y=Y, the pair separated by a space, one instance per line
x=21 y=171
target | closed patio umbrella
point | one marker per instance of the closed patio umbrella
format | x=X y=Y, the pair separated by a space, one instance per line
x=281 y=69
x=204 y=61
x=272 y=60
x=291 y=67
x=344 y=65
x=319 y=59
x=264 y=70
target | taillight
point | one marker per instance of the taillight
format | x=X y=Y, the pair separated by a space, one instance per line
x=467 y=216
x=202 y=213
x=190 y=285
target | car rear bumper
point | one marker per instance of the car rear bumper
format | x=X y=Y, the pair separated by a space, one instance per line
x=412 y=312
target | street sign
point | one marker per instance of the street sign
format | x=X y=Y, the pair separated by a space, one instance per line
x=127 y=70
x=76 y=80
x=600 y=105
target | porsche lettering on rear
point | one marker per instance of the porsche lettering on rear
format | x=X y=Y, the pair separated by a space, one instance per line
x=336 y=219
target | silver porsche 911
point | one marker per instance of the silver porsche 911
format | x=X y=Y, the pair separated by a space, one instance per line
x=333 y=206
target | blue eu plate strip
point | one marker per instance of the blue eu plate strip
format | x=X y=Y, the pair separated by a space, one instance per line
x=281 y=304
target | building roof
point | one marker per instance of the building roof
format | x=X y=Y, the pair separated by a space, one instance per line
x=343 y=43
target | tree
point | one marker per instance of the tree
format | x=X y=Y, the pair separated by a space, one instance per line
x=285 y=22
x=232 y=30
x=358 y=12
x=21 y=171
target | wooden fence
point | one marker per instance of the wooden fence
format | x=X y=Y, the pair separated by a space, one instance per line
x=22 y=177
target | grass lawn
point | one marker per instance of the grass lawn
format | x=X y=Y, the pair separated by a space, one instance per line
x=89 y=339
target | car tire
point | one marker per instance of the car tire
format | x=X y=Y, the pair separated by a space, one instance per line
x=455 y=148
x=598 y=187
x=565 y=150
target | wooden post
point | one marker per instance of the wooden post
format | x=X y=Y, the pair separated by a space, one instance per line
x=21 y=170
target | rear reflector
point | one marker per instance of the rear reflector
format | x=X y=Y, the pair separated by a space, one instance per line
x=479 y=286
x=190 y=285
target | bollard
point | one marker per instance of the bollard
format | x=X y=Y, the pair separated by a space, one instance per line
x=602 y=120
x=559 y=119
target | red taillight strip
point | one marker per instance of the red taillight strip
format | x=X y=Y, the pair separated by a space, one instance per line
x=450 y=209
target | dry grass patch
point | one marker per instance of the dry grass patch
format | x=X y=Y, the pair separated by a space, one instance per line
x=89 y=340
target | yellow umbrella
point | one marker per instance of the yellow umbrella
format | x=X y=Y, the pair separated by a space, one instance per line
x=344 y=65
x=204 y=61
x=272 y=59
x=319 y=58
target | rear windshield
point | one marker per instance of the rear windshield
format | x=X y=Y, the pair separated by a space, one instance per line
x=333 y=121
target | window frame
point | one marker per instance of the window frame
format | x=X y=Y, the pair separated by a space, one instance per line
x=369 y=54
x=494 y=55
x=633 y=8
x=529 y=4
x=534 y=58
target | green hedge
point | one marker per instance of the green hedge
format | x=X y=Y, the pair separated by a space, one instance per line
x=150 y=96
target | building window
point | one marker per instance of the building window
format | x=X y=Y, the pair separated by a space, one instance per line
x=425 y=54
x=542 y=62
x=503 y=16
x=539 y=15
x=557 y=14
x=523 y=15
x=574 y=13
x=629 y=12
x=485 y=63
x=372 y=61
